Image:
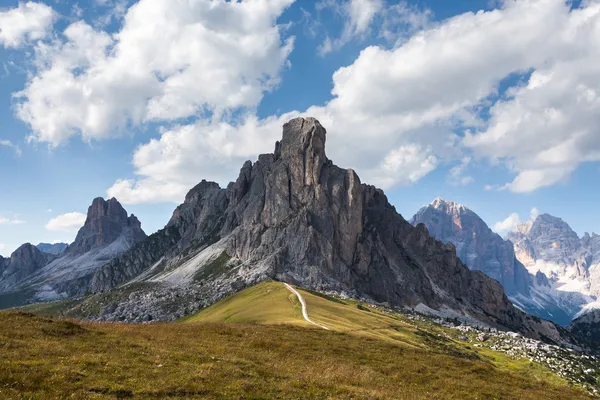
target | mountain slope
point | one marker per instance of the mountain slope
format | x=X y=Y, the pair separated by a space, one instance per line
x=294 y=216
x=482 y=249
x=107 y=233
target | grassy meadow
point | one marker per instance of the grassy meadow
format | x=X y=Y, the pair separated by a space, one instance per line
x=255 y=345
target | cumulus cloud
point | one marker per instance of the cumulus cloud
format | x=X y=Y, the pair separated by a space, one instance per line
x=400 y=105
x=394 y=113
x=548 y=126
x=66 y=222
x=171 y=60
x=27 y=22
x=509 y=224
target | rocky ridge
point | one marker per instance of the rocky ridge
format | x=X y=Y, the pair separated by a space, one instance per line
x=294 y=216
x=108 y=232
x=484 y=250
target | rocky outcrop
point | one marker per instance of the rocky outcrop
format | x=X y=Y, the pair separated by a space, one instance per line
x=23 y=262
x=106 y=221
x=107 y=233
x=294 y=216
x=476 y=244
x=586 y=330
x=54 y=249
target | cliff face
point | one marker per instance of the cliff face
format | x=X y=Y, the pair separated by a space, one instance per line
x=296 y=217
x=476 y=244
x=106 y=221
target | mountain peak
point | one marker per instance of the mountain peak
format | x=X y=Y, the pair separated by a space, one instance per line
x=106 y=221
x=442 y=204
x=302 y=147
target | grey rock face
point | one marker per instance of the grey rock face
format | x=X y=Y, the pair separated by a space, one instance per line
x=106 y=221
x=586 y=330
x=106 y=234
x=476 y=244
x=296 y=217
x=23 y=262
x=54 y=249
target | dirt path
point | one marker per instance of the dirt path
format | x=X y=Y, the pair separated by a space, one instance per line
x=304 y=312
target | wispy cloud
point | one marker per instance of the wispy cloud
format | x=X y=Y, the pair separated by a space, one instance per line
x=8 y=143
x=11 y=221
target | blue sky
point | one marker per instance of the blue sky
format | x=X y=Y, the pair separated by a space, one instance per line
x=493 y=104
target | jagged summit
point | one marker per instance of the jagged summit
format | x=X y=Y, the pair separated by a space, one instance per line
x=106 y=221
x=440 y=203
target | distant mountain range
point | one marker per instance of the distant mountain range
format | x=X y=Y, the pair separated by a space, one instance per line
x=545 y=268
x=54 y=248
x=291 y=216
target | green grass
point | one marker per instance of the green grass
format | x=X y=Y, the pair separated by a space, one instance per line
x=265 y=303
x=264 y=350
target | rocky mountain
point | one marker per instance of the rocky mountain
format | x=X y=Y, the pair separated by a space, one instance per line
x=54 y=248
x=23 y=262
x=36 y=276
x=294 y=216
x=586 y=329
x=564 y=264
x=476 y=244
x=482 y=249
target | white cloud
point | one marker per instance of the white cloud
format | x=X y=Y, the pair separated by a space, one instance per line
x=399 y=104
x=11 y=221
x=409 y=97
x=8 y=143
x=534 y=213
x=2 y=245
x=395 y=21
x=170 y=60
x=27 y=22
x=456 y=175
x=550 y=125
x=66 y=222
x=509 y=224
x=406 y=164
